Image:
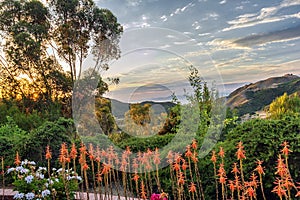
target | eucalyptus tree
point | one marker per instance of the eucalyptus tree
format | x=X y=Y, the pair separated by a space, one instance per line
x=39 y=40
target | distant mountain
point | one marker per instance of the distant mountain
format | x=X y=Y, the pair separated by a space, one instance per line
x=255 y=96
x=120 y=108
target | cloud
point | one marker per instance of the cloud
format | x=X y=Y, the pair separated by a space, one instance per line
x=239 y=7
x=222 y=2
x=142 y=23
x=277 y=36
x=211 y=16
x=265 y=15
x=204 y=34
x=181 y=10
x=221 y=45
x=133 y=3
x=164 y=18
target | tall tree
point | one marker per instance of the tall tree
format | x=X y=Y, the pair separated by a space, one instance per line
x=81 y=28
x=35 y=33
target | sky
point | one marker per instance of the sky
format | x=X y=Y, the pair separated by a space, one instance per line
x=230 y=42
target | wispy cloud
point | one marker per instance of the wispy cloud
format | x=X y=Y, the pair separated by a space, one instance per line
x=133 y=3
x=221 y=45
x=211 y=16
x=182 y=9
x=278 y=36
x=141 y=23
x=265 y=15
x=239 y=7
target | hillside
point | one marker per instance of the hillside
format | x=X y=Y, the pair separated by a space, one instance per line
x=119 y=108
x=255 y=96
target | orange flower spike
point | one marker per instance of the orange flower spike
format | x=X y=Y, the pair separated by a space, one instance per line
x=170 y=157
x=221 y=152
x=251 y=192
x=48 y=153
x=231 y=186
x=184 y=165
x=128 y=151
x=143 y=191
x=237 y=183
x=194 y=159
x=188 y=153
x=281 y=168
x=106 y=168
x=81 y=159
x=280 y=191
x=99 y=177
x=85 y=166
x=140 y=157
x=221 y=169
x=259 y=168
x=135 y=164
x=68 y=159
x=214 y=157
x=91 y=152
x=181 y=180
x=254 y=180
x=235 y=169
x=104 y=154
x=63 y=153
x=176 y=167
x=222 y=179
x=194 y=144
x=98 y=154
x=240 y=152
x=192 y=188
x=285 y=151
x=149 y=152
x=135 y=177
x=156 y=158
x=177 y=158
x=17 y=159
x=73 y=153
x=82 y=149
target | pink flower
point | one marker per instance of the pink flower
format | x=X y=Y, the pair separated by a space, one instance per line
x=158 y=197
x=155 y=197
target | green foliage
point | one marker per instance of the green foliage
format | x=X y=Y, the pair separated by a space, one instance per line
x=11 y=140
x=262 y=140
x=50 y=133
x=26 y=121
x=143 y=144
x=104 y=115
x=284 y=105
x=259 y=99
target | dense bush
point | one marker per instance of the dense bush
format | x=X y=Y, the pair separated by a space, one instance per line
x=262 y=139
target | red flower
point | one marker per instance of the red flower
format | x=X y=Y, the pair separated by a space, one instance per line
x=48 y=153
x=240 y=152
x=17 y=159
x=221 y=152
x=73 y=153
x=192 y=187
x=188 y=153
x=194 y=144
x=285 y=149
x=213 y=157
